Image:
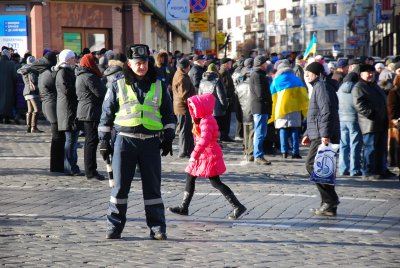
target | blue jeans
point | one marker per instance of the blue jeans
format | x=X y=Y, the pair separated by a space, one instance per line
x=350 y=148
x=293 y=134
x=374 y=159
x=260 y=131
x=70 y=152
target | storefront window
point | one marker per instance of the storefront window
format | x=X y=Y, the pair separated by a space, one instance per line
x=96 y=41
x=73 y=41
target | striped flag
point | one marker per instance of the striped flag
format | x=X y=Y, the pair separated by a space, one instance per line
x=312 y=47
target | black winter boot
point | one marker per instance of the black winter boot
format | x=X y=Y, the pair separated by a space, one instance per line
x=238 y=208
x=183 y=209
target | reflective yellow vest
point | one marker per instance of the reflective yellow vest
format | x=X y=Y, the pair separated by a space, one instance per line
x=131 y=113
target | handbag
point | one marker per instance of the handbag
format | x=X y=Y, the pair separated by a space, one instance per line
x=324 y=169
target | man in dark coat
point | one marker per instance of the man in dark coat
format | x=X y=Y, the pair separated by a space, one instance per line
x=261 y=107
x=197 y=70
x=8 y=77
x=322 y=127
x=370 y=103
x=182 y=89
x=226 y=77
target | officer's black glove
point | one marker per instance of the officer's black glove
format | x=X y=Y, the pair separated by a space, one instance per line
x=105 y=149
x=166 y=147
x=166 y=144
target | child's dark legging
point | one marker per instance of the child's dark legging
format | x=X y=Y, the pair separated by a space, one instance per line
x=215 y=182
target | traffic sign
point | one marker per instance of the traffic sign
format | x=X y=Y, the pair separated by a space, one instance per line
x=198 y=22
x=198 y=5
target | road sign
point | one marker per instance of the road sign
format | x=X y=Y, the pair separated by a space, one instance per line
x=198 y=22
x=198 y=5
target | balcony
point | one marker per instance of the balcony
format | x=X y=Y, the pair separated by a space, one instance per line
x=260 y=3
x=296 y=22
x=257 y=27
x=296 y=47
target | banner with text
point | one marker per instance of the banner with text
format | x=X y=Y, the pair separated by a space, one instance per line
x=13 y=32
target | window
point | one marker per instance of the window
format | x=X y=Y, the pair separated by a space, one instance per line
x=229 y=23
x=238 y=21
x=247 y=22
x=261 y=18
x=220 y=25
x=313 y=10
x=296 y=12
x=331 y=9
x=78 y=38
x=284 y=40
x=331 y=36
x=272 y=41
x=261 y=42
x=283 y=14
x=271 y=16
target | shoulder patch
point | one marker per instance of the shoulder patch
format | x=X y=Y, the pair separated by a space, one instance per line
x=119 y=76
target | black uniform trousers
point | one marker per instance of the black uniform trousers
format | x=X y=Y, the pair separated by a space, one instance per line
x=327 y=192
x=128 y=152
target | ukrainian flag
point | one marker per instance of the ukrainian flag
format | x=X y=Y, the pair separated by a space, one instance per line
x=288 y=95
x=312 y=47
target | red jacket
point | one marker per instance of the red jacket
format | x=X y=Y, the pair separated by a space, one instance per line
x=207 y=153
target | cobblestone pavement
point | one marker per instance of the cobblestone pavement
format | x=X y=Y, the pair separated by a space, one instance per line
x=51 y=220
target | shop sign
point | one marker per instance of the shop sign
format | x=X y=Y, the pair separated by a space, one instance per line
x=13 y=32
x=177 y=10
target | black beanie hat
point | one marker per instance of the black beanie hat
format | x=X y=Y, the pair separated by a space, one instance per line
x=51 y=57
x=315 y=67
x=183 y=63
x=366 y=68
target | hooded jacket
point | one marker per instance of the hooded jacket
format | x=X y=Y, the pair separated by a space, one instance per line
x=212 y=84
x=243 y=95
x=261 y=101
x=30 y=74
x=207 y=152
x=91 y=92
x=347 y=111
x=323 y=117
x=113 y=70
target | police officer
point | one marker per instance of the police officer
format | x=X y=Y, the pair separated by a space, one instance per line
x=139 y=108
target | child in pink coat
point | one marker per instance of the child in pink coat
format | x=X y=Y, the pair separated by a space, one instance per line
x=206 y=160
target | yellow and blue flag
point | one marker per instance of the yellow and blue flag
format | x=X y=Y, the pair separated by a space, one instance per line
x=288 y=95
x=312 y=47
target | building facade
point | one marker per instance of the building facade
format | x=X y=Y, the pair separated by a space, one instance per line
x=57 y=25
x=384 y=33
x=341 y=26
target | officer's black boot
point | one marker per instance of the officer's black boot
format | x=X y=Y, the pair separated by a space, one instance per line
x=238 y=208
x=183 y=209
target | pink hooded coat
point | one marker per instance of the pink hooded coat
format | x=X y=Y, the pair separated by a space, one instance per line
x=207 y=153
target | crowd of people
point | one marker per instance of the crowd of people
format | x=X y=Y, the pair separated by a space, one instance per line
x=134 y=104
